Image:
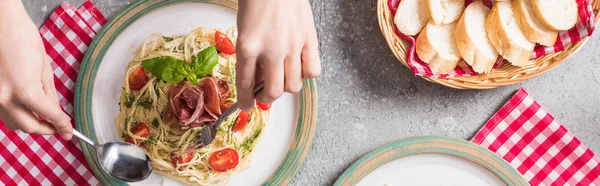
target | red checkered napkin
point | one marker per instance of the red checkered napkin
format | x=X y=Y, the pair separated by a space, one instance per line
x=49 y=160
x=537 y=145
x=583 y=29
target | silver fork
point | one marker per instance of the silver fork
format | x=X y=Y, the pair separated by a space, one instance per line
x=208 y=133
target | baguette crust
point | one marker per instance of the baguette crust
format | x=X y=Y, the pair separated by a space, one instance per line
x=469 y=45
x=534 y=29
x=510 y=42
x=558 y=15
x=441 y=57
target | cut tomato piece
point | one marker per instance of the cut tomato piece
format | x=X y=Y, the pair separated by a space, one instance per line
x=224 y=160
x=137 y=79
x=180 y=160
x=129 y=139
x=224 y=44
x=240 y=122
x=141 y=130
x=263 y=106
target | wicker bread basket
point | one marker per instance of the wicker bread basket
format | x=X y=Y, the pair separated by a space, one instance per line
x=501 y=76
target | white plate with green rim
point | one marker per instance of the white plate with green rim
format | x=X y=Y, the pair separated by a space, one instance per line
x=431 y=160
x=286 y=138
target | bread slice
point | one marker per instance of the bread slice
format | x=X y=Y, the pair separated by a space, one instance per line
x=535 y=31
x=445 y=11
x=436 y=46
x=558 y=15
x=472 y=41
x=411 y=16
x=506 y=36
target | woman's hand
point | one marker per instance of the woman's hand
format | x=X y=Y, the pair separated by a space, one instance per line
x=27 y=89
x=277 y=42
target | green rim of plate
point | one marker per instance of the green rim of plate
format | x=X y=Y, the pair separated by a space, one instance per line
x=307 y=115
x=431 y=145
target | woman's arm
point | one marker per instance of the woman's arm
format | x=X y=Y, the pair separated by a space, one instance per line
x=27 y=89
x=277 y=42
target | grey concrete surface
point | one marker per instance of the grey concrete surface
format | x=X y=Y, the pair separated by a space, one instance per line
x=367 y=98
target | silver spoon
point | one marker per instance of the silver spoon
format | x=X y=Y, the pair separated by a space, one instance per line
x=123 y=161
x=208 y=133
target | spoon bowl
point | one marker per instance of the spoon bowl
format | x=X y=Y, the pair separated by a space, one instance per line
x=122 y=161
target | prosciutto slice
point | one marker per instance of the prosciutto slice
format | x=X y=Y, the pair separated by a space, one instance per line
x=196 y=105
x=213 y=100
x=223 y=92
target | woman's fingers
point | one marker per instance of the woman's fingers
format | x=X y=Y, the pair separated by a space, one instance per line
x=311 y=63
x=259 y=74
x=8 y=122
x=245 y=74
x=20 y=116
x=46 y=128
x=50 y=89
x=293 y=74
x=280 y=35
x=48 y=82
x=43 y=106
x=274 y=79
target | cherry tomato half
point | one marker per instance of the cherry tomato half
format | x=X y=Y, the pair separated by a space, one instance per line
x=240 y=122
x=137 y=79
x=224 y=160
x=183 y=159
x=263 y=106
x=224 y=44
x=141 y=130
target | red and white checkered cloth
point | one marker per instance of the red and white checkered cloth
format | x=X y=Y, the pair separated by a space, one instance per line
x=48 y=160
x=583 y=29
x=538 y=146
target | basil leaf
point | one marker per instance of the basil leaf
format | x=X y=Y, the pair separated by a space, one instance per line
x=204 y=62
x=175 y=72
x=191 y=77
x=148 y=64
x=157 y=65
x=184 y=69
x=169 y=69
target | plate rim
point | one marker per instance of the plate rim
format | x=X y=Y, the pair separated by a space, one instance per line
x=430 y=145
x=307 y=114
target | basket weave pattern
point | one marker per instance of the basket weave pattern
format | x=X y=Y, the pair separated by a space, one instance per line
x=501 y=76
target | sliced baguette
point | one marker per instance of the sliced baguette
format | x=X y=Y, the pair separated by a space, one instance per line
x=558 y=15
x=506 y=36
x=445 y=11
x=411 y=16
x=535 y=31
x=436 y=46
x=472 y=41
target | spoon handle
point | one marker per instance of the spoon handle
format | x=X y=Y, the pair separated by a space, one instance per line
x=83 y=137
